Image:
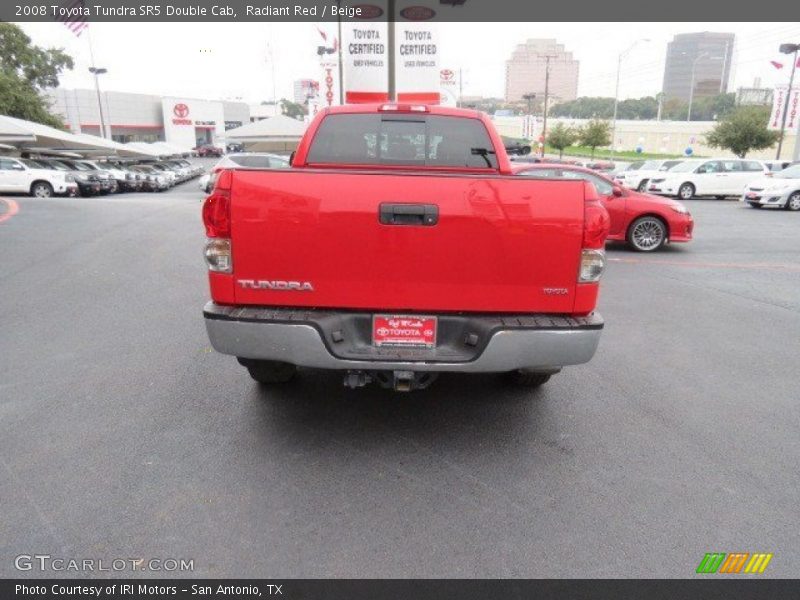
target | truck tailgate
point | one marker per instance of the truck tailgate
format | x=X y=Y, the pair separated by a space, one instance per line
x=500 y=244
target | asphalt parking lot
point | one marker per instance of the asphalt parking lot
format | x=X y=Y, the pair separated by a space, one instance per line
x=122 y=434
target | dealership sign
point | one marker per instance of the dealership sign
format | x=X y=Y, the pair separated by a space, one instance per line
x=181 y=111
x=417 y=73
x=779 y=105
x=365 y=55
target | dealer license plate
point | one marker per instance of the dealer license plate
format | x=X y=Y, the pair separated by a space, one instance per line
x=404 y=330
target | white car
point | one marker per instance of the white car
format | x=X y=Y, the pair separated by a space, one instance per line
x=719 y=177
x=780 y=189
x=638 y=179
x=243 y=160
x=29 y=177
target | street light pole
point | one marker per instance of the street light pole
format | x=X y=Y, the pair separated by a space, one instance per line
x=97 y=72
x=787 y=49
x=622 y=55
x=547 y=58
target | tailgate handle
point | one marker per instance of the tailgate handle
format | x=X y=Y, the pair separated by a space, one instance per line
x=408 y=214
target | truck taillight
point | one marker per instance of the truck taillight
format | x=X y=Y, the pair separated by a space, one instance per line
x=596 y=225
x=596 y=222
x=217 y=214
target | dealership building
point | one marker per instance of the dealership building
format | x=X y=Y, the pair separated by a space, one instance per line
x=183 y=122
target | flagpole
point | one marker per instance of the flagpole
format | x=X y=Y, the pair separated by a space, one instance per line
x=96 y=72
x=786 y=106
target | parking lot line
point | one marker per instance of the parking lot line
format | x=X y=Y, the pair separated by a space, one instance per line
x=711 y=265
x=12 y=208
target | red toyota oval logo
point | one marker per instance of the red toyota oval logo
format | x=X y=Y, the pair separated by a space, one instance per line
x=368 y=11
x=447 y=74
x=181 y=110
x=417 y=13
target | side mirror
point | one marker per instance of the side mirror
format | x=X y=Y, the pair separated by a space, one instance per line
x=617 y=191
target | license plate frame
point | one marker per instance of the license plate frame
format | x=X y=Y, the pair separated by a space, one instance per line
x=404 y=331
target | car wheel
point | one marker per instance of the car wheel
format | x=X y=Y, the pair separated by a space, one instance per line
x=647 y=234
x=793 y=203
x=754 y=204
x=525 y=378
x=42 y=189
x=642 y=187
x=269 y=371
x=686 y=191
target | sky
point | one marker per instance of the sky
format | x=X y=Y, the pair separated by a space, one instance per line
x=259 y=61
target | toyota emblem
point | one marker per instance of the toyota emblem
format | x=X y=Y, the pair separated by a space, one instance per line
x=181 y=110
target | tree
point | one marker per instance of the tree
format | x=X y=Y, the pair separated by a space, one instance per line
x=293 y=109
x=561 y=137
x=25 y=71
x=743 y=130
x=595 y=133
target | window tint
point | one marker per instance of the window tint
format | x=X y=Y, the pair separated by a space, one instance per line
x=710 y=167
x=424 y=140
x=7 y=165
x=732 y=166
x=668 y=164
x=751 y=165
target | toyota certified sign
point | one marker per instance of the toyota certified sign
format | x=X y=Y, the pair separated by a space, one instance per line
x=181 y=112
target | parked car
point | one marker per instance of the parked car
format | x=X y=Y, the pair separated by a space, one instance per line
x=637 y=179
x=644 y=221
x=245 y=160
x=89 y=183
x=26 y=176
x=396 y=260
x=107 y=183
x=208 y=150
x=720 y=177
x=116 y=176
x=781 y=189
x=517 y=149
x=126 y=179
x=154 y=180
x=776 y=165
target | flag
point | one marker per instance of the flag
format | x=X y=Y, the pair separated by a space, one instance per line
x=74 y=19
x=776 y=64
x=323 y=34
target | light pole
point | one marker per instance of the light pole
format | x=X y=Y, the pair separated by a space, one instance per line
x=622 y=55
x=96 y=71
x=787 y=49
x=530 y=98
x=691 y=85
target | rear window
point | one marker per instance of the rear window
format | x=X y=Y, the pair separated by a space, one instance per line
x=405 y=140
x=259 y=162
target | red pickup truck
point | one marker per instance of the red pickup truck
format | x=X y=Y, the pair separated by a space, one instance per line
x=399 y=245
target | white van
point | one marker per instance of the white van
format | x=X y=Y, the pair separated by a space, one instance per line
x=719 y=177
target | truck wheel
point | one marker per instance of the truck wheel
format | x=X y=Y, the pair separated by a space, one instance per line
x=269 y=371
x=647 y=234
x=42 y=189
x=525 y=378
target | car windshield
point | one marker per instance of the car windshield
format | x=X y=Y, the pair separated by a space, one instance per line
x=685 y=167
x=90 y=166
x=792 y=172
x=59 y=166
x=651 y=165
x=79 y=166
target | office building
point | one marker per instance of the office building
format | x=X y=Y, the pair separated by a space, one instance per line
x=705 y=58
x=527 y=67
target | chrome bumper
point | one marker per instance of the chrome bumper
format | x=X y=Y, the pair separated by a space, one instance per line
x=302 y=344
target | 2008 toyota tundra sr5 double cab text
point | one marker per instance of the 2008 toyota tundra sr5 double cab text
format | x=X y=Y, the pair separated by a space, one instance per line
x=399 y=245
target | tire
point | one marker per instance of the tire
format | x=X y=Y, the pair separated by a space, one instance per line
x=686 y=191
x=531 y=379
x=755 y=204
x=793 y=203
x=642 y=187
x=269 y=371
x=41 y=189
x=647 y=234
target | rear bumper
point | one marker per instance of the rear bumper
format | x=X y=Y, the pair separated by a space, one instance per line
x=307 y=338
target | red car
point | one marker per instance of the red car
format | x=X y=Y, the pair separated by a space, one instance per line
x=208 y=150
x=644 y=221
x=400 y=244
